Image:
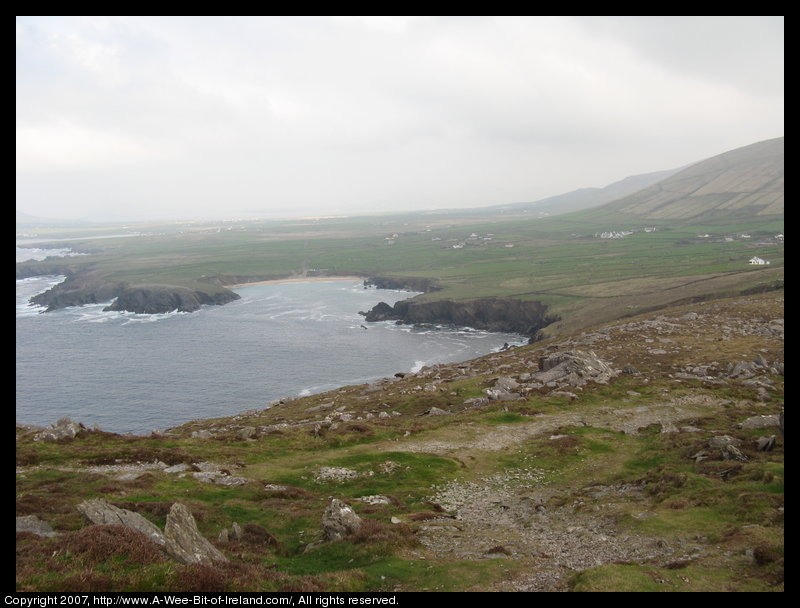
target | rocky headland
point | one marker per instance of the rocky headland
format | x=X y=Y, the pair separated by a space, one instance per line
x=81 y=287
x=155 y=299
x=491 y=314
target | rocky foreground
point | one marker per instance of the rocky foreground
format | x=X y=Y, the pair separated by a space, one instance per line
x=642 y=455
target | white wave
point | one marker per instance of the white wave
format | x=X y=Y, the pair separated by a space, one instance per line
x=29 y=310
x=418 y=365
x=151 y=318
x=28 y=287
x=25 y=254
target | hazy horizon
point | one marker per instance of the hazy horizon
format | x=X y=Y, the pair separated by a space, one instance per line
x=167 y=118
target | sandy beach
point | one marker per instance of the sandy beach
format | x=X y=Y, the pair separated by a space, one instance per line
x=296 y=280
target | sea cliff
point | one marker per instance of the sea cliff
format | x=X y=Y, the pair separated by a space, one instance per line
x=491 y=314
x=87 y=287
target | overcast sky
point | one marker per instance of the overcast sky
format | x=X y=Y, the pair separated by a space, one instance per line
x=168 y=117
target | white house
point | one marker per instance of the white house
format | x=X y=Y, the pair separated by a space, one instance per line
x=757 y=260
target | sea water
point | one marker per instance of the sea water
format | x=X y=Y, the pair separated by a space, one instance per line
x=132 y=373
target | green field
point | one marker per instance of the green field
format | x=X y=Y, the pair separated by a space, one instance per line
x=560 y=260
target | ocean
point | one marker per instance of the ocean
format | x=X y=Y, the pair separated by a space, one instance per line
x=132 y=373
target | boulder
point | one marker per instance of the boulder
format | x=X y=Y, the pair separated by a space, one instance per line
x=31 y=523
x=573 y=368
x=506 y=383
x=733 y=453
x=63 y=429
x=184 y=543
x=760 y=422
x=765 y=444
x=246 y=432
x=339 y=521
x=100 y=512
x=436 y=411
x=335 y=474
x=723 y=441
x=496 y=394
x=376 y=499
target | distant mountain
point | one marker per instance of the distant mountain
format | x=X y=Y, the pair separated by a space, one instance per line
x=585 y=198
x=744 y=182
x=26 y=219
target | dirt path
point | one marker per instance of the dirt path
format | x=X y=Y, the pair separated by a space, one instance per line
x=554 y=530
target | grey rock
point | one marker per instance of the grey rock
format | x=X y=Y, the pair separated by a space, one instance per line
x=335 y=474
x=506 y=384
x=722 y=441
x=178 y=468
x=247 y=432
x=100 y=512
x=184 y=542
x=760 y=422
x=236 y=531
x=207 y=476
x=63 y=429
x=733 y=453
x=436 y=411
x=495 y=394
x=566 y=394
x=765 y=444
x=130 y=476
x=339 y=521
x=744 y=369
x=230 y=482
x=208 y=467
x=573 y=368
x=31 y=523
x=376 y=499
x=321 y=406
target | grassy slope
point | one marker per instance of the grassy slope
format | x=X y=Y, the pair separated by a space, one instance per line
x=711 y=526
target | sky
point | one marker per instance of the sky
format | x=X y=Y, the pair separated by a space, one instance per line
x=139 y=118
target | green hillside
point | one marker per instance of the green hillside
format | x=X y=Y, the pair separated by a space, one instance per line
x=746 y=182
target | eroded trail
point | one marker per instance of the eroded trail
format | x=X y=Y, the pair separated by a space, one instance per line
x=556 y=528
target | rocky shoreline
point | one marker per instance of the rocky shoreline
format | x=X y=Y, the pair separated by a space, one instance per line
x=84 y=288
x=491 y=314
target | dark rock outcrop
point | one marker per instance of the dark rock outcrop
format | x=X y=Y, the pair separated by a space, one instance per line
x=155 y=299
x=77 y=290
x=492 y=314
x=88 y=287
